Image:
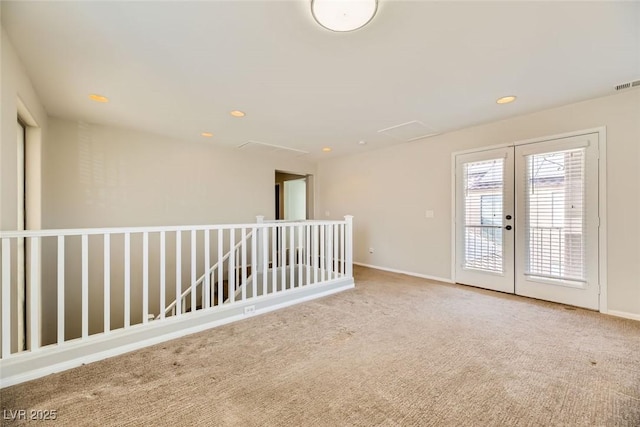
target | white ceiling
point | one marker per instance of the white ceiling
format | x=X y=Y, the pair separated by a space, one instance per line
x=178 y=68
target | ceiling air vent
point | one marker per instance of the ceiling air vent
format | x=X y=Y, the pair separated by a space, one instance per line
x=628 y=85
x=263 y=147
x=410 y=131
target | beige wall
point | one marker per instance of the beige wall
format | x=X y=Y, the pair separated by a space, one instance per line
x=389 y=190
x=96 y=176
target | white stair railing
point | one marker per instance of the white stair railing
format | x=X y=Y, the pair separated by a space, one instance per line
x=87 y=286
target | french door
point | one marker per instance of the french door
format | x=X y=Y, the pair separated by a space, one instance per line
x=527 y=220
x=484 y=219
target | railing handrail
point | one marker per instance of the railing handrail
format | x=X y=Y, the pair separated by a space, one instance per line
x=197 y=282
x=158 y=229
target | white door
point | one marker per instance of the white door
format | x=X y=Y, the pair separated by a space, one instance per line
x=295 y=199
x=527 y=220
x=557 y=221
x=484 y=219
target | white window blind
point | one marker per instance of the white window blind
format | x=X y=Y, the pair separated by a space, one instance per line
x=555 y=215
x=483 y=201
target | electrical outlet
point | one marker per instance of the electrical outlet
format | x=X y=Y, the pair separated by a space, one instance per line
x=428 y=214
x=371 y=250
x=250 y=310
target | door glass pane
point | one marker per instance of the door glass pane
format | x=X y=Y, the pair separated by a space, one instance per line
x=555 y=214
x=483 y=192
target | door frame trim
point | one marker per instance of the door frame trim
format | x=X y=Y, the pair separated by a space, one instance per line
x=602 y=199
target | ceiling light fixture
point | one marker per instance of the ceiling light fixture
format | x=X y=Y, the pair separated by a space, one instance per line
x=506 y=99
x=326 y=149
x=237 y=113
x=343 y=15
x=207 y=134
x=362 y=142
x=98 y=98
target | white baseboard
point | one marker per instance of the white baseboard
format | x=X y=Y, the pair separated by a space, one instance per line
x=408 y=273
x=624 y=314
x=23 y=367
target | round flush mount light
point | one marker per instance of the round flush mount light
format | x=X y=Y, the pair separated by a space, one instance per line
x=343 y=15
x=362 y=142
x=206 y=134
x=326 y=149
x=237 y=113
x=506 y=99
x=98 y=98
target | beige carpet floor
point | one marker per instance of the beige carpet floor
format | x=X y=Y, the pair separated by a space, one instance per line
x=395 y=351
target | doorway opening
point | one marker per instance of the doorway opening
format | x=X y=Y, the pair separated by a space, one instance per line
x=293 y=196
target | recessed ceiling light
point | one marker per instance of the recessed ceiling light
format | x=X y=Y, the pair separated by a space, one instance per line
x=362 y=142
x=207 y=134
x=237 y=113
x=98 y=98
x=506 y=99
x=326 y=149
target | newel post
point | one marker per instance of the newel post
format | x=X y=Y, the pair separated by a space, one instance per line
x=260 y=230
x=349 y=245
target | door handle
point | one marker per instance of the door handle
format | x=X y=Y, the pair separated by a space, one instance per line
x=508 y=227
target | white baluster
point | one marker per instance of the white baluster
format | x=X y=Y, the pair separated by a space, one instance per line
x=254 y=263
x=283 y=256
x=291 y=257
x=299 y=254
x=307 y=251
x=274 y=259
x=322 y=252
x=34 y=294
x=330 y=251
x=265 y=259
x=336 y=250
x=163 y=275
x=6 y=298
x=85 y=286
x=107 y=283
x=232 y=266
x=127 y=280
x=260 y=231
x=243 y=283
x=206 y=295
x=60 y=289
x=194 y=292
x=220 y=267
x=145 y=277
x=178 y=304
x=342 y=249
x=315 y=253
